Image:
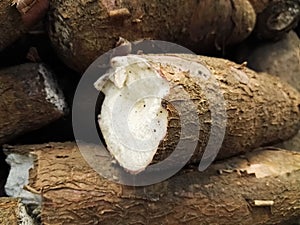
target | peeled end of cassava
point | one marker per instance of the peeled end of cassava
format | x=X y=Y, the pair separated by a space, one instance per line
x=132 y=119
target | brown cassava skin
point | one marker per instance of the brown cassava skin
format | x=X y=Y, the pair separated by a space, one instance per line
x=73 y=193
x=16 y=19
x=81 y=31
x=9 y=211
x=281 y=59
x=12 y=26
x=23 y=101
x=32 y=11
x=260 y=108
x=275 y=17
x=13 y=212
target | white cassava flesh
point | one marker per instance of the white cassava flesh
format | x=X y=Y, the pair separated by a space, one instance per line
x=132 y=119
x=53 y=93
x=18 y=178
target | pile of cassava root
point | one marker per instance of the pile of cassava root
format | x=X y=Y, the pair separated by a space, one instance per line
x=221 y=118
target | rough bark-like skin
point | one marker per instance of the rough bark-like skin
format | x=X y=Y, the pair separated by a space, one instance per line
x=281 y=59
x=24 y=104
x=13 y=212
x=32 y=10
x=12 y=26
x=73 y=193
x=260 y=108
x=9 y=211
x=275 y=17
x=83 y=30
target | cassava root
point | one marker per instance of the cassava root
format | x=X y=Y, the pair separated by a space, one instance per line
x=30 y=99
x=81 y=31
x=249 y=111
x=261 y=187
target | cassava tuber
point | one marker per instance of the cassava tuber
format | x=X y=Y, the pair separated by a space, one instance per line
x=12 y=26
x=13 y=23
x=261 y=187
x=32 y=11
x=149 y=101
x=81 y=31
x=30 y=99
